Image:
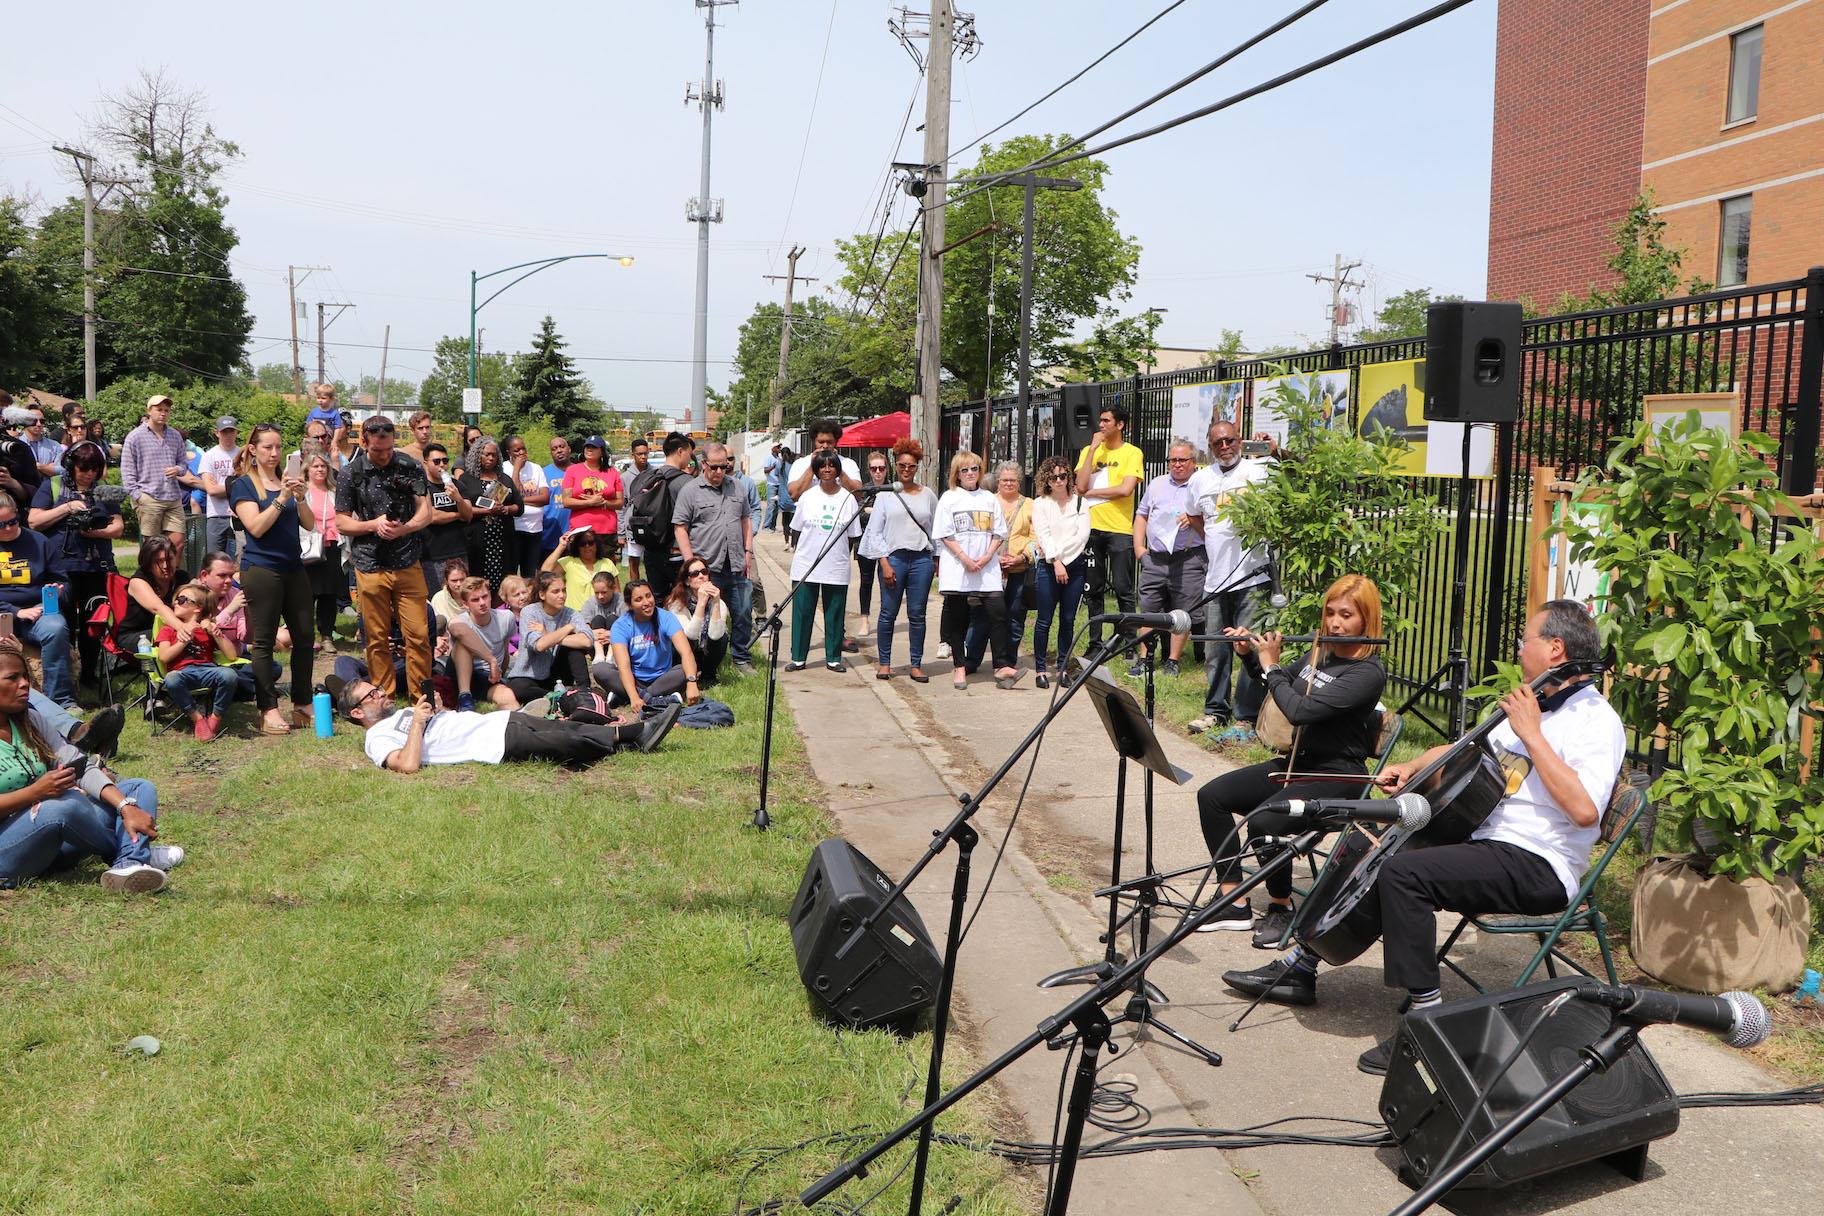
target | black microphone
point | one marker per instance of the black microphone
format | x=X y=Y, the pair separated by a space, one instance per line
x=1175 y=621
x=1741 y=1020
x=1410 y=811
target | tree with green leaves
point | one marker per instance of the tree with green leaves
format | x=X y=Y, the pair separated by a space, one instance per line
x=547 y=390
x=1402 y=315
x=28 y=303
x=841 y=363
x=1228 y=349
x=440 y=392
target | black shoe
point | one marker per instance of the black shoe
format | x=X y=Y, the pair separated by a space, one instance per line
x=1236 y=918
x=100 y=735
x=1169 y=667
x=1270 y=932
x=1375 y=1060
x=658 y=726
x=1041 y=680
x=1280 y=985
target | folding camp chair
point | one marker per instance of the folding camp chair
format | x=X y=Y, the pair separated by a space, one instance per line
x=120 y=668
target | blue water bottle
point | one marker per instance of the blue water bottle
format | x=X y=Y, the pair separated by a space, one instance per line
x=325 y=717
x=50 y=599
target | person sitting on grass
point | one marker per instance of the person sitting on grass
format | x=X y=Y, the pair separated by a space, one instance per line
x=52 y=815
x=698 y=604
x=553 y=644
x=478 y=648
x=515 y=594
x=579 y=558
x=196 y=663
x=404 y=741
x=603 y=610
x=644 y=642
x=447 y=603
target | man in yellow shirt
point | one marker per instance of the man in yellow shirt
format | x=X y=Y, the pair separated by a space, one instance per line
x=1108 y=475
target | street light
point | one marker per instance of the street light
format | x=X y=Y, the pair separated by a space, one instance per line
x=541 y=264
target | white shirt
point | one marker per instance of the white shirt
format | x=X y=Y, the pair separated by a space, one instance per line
x=531 y=477
x=1211 y=489
x=219 y=464
x=819 y=514
x=971 y=518
x=1060 y=532
x=849 y=469
x=453 y=737
x=1587 y=735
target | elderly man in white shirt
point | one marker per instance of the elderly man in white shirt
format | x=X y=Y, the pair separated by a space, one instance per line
x=1236 y=576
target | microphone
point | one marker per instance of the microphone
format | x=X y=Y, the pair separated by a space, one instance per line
x=1175 y=621
x=1410 y=811
x=1737 y=1017
x=1276 y=597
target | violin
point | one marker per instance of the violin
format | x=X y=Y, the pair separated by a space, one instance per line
x=1463 y=785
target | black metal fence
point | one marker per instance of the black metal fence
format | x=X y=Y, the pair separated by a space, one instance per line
x=1585 y=376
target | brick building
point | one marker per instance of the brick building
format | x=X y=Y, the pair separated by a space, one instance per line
x=1717 y=106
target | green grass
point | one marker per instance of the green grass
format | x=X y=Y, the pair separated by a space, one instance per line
x=476 y=989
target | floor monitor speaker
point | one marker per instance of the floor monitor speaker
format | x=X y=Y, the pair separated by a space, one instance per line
x=885 y=976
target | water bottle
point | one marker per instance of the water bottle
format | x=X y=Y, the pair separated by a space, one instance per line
x=553 y=710
x=145 y=647
x=325 y=716
x=50 y=599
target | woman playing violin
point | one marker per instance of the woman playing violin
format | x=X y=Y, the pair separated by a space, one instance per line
x=1329 y=697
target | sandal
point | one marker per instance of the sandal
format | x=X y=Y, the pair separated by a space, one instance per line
x=267 y=728
x=885 y=673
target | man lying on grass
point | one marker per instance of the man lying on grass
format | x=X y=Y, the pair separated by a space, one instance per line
x=408 y=739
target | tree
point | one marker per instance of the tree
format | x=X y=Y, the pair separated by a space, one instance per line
x=842 y=363
x=1401 y=315
x=441 y=391
x=397 y=391
x=1116 y=347
x=27 y=302
x=1228 y=349
x=546 y=389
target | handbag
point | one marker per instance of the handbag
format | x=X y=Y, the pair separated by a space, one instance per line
x=310 y=546
x=1276 y=732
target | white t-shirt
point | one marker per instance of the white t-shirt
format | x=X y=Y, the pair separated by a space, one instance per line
x=1587 y=735
x=971 y=518
x=849 y=469
x=218 y=464
x=1211 y=489
x=819 y=514
x=531 y=477
x=453 y=737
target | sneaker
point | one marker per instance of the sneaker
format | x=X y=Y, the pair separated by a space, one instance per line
x=1234 y=918
x=100 y=735
x=167 y=857
x=1276 y=982
x=659 y=725
x=465 y=702
x=1137 y=670
x=133 y=878
x=1270 y=931
x=1241 y=733
x=203 y=730
x=1205 y=724
x=1375 y=1060
x=1170 y=667
x=746 y=669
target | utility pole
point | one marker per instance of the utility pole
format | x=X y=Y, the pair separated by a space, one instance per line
x=380 y=389
x=291 y=287
x=703 y=211
x=322 y=325
x=1339 y=281
x=1032 y=184
x=926 y=412
x=85 y=168
x=792 y=278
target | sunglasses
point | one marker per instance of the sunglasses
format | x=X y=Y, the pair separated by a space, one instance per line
x=1059 y=477
x=440 y=460
x=907 y=464
x=698 y=574
x=10 y=523
x=717 y=468
x=1224 y=443
x=877 y=468
x=187 y=601
x=970 y=468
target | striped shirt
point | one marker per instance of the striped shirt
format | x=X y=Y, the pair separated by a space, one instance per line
x=144 y=458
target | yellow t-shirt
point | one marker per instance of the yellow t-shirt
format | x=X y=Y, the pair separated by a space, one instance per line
x=579 y=579
x=1114 y=514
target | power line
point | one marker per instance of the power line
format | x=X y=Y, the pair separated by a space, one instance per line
x=809 y=123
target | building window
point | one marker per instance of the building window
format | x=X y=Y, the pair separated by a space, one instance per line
x=1732 y=241
x=1744 y=74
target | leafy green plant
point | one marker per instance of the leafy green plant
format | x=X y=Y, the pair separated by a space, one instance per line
x=1335 y=503
x=1715 y=590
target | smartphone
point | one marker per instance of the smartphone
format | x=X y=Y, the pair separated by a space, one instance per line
x=1256 y=447
x=294 y=465
x=79 y=766
x=428 y=687
x=485 y=503
x=6 y=624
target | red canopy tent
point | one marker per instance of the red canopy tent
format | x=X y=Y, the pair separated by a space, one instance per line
x=879 y=432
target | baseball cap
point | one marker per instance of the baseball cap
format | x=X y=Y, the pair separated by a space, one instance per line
x=227 y=423
x=157 y=399
x=596 y=441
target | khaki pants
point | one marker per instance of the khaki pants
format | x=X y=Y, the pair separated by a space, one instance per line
x=156 y=515
x=382 y=598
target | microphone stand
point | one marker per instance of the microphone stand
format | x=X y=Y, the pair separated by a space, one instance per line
x=1091 y=1024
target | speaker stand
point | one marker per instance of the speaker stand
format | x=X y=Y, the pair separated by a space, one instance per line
x=1452 y=676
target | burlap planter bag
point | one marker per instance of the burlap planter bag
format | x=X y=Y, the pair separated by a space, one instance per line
x=1712 y=934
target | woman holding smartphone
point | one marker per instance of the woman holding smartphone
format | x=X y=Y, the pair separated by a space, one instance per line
x=495 y=504
x=272 y=506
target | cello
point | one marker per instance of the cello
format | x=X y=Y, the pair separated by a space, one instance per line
x=1463 y=786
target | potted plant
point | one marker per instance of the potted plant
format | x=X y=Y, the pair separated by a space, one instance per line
x=1716 y=589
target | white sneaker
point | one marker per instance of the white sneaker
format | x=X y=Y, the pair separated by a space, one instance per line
x=167 y=856
x=134 y=878
x=1203 y=725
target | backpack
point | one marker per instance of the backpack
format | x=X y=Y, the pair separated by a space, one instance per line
x=584 y=705
x=649 y=504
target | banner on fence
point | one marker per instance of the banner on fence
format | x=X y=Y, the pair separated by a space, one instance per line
x=1569 y=572
x=1715 y=411
x=1393 y=399
x=1328 y=390
x=1196 y=406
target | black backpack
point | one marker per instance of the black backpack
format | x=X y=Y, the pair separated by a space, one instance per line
x=649 y=504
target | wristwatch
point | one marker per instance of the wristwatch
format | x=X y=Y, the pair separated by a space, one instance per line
x=690 y=679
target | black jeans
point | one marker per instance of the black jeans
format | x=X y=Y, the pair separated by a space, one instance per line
x=609 y=678
x=1220 y=800
x=571 y=666
x=578 y=743
x=526 y=553
x=953 y=626
x=1111 y=567
x=270 y=595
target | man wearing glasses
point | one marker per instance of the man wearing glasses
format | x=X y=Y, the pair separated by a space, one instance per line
x=1168 y=548
x=382 y=504
x=1238 y=576
x=713 y=520
x=25 y=569
x=447 y=536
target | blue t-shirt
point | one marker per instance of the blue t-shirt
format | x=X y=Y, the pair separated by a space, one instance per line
x=278 y=549
x=333 y=418
x=557 y=516
x=198 y=498
x=647 y=650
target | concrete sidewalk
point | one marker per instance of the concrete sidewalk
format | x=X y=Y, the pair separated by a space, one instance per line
x=894 y=756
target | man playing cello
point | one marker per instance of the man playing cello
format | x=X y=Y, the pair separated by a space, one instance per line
x=1562 y=751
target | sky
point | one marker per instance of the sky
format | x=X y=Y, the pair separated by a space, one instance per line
x=407 y=144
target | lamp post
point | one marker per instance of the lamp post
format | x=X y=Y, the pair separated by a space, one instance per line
x=541 y=264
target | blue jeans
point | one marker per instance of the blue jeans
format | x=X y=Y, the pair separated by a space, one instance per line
x=738 y=595
x=772 y=508
x=913 y=570
x=218 y=535
x=66 y=829
x=1236 y=610
x=1014 y=597
x=224 y=682
x=51 y=635
x=55 y=716
x=1061 y=598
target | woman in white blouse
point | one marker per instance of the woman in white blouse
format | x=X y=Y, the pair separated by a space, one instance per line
x=1060 y=530
x=698 y=604
x=971 y=530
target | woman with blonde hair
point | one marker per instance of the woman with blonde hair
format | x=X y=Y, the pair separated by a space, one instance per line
x=971 y=530
x=1060 y=532
x=1329 y=696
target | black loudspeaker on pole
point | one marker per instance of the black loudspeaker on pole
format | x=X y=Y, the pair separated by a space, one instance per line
x=1472 y=361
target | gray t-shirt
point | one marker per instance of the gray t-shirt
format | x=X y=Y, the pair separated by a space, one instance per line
x=713 y=518
x=901 y=521
x=530 y=662
x=494 y=633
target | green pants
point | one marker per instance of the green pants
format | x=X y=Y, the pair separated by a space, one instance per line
x=804 y=606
